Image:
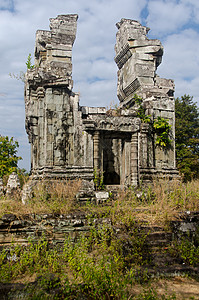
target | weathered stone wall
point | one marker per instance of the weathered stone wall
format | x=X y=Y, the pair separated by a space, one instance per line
x=15 y=230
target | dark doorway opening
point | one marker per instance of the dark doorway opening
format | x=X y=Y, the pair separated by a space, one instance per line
x=111 y=160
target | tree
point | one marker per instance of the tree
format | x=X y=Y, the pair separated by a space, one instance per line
x=8 y=155
x=187 y=137
x=21 y=75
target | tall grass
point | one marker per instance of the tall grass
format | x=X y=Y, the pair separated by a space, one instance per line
x=157 y=203
x=168 y=198
x=47 y=197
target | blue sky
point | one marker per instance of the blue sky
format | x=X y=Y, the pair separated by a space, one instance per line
x=174 y=22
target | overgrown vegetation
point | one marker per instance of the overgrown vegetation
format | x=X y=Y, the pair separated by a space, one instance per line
x=186 y=250
x=99 y=266
x=141 y=111
x=157 y=203
x=162 y=130
x=94 y=267
x=48 y=197
x=98 y=180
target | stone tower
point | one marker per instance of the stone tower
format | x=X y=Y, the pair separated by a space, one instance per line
x=52 y=109
x=137 y=58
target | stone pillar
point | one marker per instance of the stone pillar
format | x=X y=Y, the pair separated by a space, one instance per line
x=1 y=187
x=13 y=184
x=134 y=159
x=144 y=145
x=96 y=149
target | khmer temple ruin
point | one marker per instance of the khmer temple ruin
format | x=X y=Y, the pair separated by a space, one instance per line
x=72 y=141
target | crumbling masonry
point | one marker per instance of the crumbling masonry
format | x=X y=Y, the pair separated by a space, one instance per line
x=68 y=140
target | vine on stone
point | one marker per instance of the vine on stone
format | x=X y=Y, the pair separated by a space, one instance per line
x=141 y=112
x=162 y=129
x=160 y=126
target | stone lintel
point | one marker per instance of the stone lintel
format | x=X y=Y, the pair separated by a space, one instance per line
x=86 y=110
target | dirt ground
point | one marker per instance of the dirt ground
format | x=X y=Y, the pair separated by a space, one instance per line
x=182 y=287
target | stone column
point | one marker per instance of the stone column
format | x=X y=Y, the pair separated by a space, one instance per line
x=144 y=145
x=134 y=159
x=1 y=187
x=13 y=183
x=96 y=150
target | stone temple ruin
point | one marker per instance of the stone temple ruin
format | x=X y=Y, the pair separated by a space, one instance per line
x=72 y=141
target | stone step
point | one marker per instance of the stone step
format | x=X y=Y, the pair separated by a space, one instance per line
x=152 y=229
x=85 y=199
x=113 y=188
x=159 y=235
x=158 y=243
x=159 y=239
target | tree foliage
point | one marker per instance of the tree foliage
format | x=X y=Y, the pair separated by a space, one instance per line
x=187 y=137
x=8 y=155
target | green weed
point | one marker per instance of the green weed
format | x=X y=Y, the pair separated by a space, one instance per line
x=185 y=250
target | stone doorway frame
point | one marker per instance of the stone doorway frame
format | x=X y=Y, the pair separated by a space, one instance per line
x=132 y=139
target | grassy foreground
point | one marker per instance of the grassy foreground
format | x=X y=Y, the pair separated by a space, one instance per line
x=103 y=264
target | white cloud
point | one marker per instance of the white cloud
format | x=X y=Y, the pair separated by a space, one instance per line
x=91 y=93
x=6 y=5
x=188 y=87
x=166 y=16
x=194 y=4
x=181 y=61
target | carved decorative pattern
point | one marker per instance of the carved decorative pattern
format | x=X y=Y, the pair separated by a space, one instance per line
x=132 y=87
